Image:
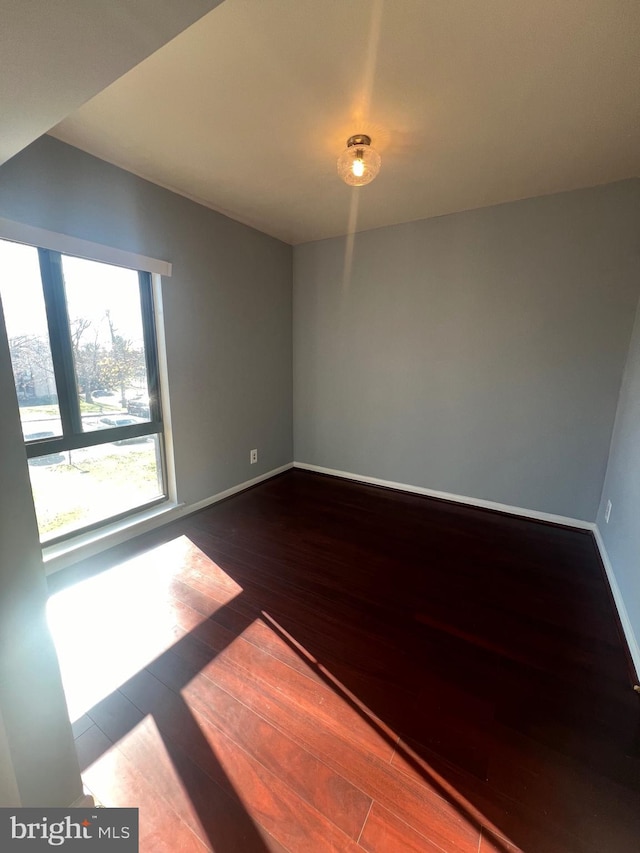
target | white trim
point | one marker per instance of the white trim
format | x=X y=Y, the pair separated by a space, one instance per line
x=629 y=634
x=220 y=496
x=448 y=496
x=65 y=554
x=33 y=236
x=163 y=378
x=86 y=801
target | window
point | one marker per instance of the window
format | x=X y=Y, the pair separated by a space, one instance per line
x=84 y=356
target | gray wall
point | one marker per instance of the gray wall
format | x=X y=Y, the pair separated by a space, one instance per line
x=622 y=487
x=479 y=354
x=9 y=794
x=227 y=306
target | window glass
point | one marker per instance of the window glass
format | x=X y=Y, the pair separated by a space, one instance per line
x=107 y=338
x=77 y=488
x=26 y=324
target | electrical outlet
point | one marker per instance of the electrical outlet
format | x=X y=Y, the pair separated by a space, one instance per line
x=607 y=512
x=253 y=457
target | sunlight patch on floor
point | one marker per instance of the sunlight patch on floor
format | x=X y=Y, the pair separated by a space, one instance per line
x=110 y=626
x=113 y=776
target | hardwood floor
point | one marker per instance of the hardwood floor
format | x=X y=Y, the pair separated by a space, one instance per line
x=319 y=665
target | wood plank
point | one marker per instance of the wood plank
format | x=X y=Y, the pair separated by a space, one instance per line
x=90 y=745
x=384 y=832
x=81 y=725
x=492 y=843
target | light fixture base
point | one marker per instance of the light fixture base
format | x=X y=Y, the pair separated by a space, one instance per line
x=358 y=139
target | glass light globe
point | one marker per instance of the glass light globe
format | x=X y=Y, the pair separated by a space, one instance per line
x=359 y=163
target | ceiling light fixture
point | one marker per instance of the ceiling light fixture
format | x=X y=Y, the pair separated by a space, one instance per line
x=359 y=163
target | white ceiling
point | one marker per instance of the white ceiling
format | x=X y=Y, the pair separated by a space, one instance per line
x=469 y=104
x=54 y=56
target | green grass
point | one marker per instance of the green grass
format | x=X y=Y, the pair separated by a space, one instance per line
x=90 y=408
x=119 y=469
x=28 y=413
x=61 y=520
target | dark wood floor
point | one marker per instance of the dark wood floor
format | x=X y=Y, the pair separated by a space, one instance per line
x=318 y=665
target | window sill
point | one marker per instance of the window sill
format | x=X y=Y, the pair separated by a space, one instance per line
x=64 y=554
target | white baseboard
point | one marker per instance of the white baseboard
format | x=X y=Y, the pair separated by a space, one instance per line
x=448 y=496
x=86 y=801
x=629 y=633
x=187 y=509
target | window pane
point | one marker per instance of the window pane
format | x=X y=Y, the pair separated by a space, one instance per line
x=77 y=488
x=105 y=318
x=28 y=333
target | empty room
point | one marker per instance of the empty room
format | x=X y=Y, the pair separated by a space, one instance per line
x=320 y=425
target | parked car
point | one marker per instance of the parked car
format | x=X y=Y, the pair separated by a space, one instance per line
x=140 y=408
x=102 y=392
x=49 y=458
x=121 y=421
